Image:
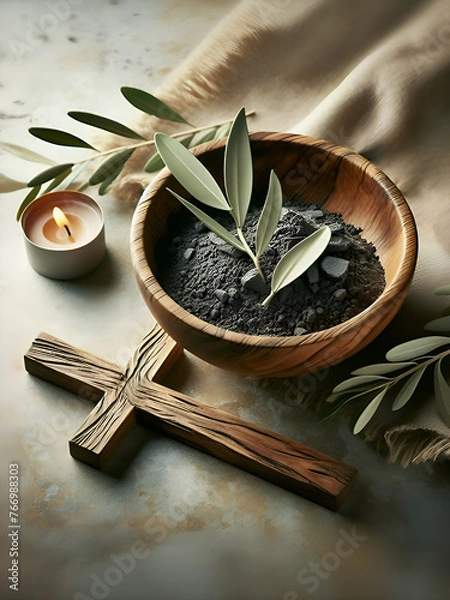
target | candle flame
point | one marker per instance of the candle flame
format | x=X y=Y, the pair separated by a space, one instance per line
x=61 y=219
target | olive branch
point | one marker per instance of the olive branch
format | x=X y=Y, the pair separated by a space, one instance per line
x=238 y=183
x=407 y=363
x=66 y=175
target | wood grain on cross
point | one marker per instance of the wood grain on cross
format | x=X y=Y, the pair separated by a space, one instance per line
x=135 y=393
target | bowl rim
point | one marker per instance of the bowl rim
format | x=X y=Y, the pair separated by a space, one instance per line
x=147 y=279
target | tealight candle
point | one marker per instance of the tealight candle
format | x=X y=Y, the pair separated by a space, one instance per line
x=64 y=234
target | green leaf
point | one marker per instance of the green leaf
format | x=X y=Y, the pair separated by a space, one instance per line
x=27 y=200
x=335 y=402
x=104 y=186
x=368 y=412
x=111 y=165
x=416 y=348
x=190 y=172
x=443 y=290
x=10 y=185
x=186 y=140
x=58 y=137
x=26 y=154
x=270 y=214
x=205 y=136
x=298 y=259
x=442 y=392
x=382 y=368
x=71 y=177
x=441 y=324
x=105 y=124
x=210 y=222
x=57 y=180
x=150 y=104
x=238 y=169
x=48 y=174
x=408 y=388
x=358 y=382
x=223 y=131
x=156 y=163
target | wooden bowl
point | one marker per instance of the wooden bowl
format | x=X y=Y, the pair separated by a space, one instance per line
x=312 y=171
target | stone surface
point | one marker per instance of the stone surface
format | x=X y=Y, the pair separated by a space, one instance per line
x=334 y=267
x=251 y=280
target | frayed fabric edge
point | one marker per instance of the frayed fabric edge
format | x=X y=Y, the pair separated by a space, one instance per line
x=409 y=445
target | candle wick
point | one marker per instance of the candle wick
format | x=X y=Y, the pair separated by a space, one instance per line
x=69 y=233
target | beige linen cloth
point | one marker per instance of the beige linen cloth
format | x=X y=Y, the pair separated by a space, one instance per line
x=370 y=76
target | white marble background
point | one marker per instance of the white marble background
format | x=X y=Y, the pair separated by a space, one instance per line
x=200 y=529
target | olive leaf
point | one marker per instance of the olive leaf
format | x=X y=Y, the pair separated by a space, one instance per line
x=298 y=259
x=58 y=180
x=442 y=392
x=335 y=402
x=58 y=137
x=368 y=412
x=10 y=185
x=26 y=154
x=270 y=214
x=150 y=104
x=238 y=169
x=443 y=290
x=382 y=368
x=156 y=163
x=104 y=123
x=408 y=388
x=112 y=165
x=190 y=172
x=71 y=177
x=48 y=174
x=27 y=200
x=210 y=222
x=441 y=324
x=416 y=348
x=223 y=131
x=358 y=382
x=205 y=136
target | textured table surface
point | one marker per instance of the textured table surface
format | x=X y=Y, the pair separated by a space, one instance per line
x=166 y=521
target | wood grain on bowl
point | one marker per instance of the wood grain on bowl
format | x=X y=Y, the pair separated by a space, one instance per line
x=312 y=171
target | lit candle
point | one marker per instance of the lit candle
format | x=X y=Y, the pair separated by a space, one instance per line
x=64 y=234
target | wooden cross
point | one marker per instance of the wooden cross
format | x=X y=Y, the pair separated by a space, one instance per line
x=125 y=395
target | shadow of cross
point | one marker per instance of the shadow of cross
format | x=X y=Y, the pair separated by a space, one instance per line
x=134 y=393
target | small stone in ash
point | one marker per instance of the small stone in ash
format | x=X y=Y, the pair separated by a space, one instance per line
x=224 y=246
x=299 y=330
x=340 y=294
x=312 y=274
x=338 y=243
x=222 y=295
x=234 y=297
x=309 y=316
x=188 y=253
x=200 y=227
x=214 y=313
x=335 y=268
x=252 y=281
x=313 y=214
x=336 y=227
